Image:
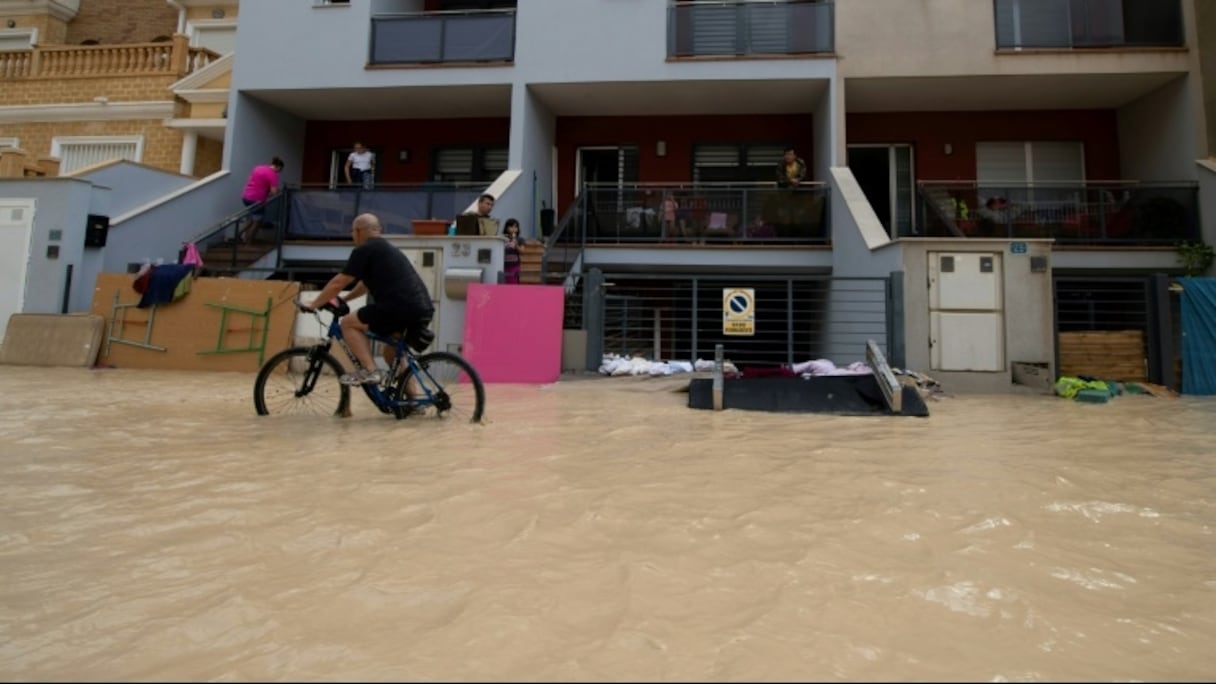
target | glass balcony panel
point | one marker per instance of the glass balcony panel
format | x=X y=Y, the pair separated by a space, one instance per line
x=750 y=28
x=420 y=38
x=1065 y=24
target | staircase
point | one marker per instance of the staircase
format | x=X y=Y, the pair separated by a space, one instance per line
x=224 y=258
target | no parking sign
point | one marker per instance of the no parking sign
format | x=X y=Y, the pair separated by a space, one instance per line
x=738 y=311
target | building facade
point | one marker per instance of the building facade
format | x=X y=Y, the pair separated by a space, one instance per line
x=87 y=82
x=1057 y=147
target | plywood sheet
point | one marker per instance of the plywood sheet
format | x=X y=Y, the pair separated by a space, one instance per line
x=1108 y=355
x=189 y=329
x=513 y=333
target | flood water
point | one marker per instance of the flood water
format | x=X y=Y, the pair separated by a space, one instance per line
x=154 y=528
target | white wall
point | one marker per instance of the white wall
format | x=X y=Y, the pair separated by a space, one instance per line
x=533 y=133
x=1028 y=323
x=1158 y=133
x=958 y=38
x=62 y=204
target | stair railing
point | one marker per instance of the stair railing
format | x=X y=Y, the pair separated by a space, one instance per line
x=227 y=232
x=572 y=244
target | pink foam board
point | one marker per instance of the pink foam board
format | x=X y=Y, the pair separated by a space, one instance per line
x=513 y=333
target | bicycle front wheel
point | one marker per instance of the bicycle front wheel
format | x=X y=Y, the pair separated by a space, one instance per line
x=301 y=381
x=453 y=384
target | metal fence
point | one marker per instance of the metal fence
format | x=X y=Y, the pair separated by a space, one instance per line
x=750 y=27
x=1125 y=212
x=796 y=318
x=1122 y=304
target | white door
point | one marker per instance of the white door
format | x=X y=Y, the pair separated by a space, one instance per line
x=966 y=311
x=16 y=226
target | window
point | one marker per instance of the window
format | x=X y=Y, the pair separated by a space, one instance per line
x=9 y=142
x=78 y=152
x=1028 y=170
x=734 y=163
x=468 y=164
x=18 y=39
x=452 y=5
x=219 y=36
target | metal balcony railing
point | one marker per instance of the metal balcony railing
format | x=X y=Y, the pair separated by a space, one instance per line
x=750 y=27
x=1113 y=213
x=1065 y=24
x=437 y=37
x=703 y=213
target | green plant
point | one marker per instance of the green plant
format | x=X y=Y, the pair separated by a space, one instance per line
x=1195 y=257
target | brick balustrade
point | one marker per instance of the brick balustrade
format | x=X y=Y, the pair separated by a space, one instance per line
x=175 y=58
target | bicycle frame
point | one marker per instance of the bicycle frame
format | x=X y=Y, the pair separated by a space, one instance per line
x=404 y=355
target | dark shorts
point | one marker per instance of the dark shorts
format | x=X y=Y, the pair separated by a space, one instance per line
x=256 y=214
x=388 y=321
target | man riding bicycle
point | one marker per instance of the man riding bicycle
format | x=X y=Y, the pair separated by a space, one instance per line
x=399 y=298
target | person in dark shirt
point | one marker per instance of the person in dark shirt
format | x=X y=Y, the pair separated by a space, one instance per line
x=399 y=298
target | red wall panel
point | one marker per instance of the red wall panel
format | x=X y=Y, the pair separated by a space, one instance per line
x=419 y=136
x=680 y=133
x=929 y=132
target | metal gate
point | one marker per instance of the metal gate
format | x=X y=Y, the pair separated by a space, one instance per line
x=1114 y=305
x=797 y=318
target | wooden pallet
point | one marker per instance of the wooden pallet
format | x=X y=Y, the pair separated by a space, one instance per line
x=1110 y=355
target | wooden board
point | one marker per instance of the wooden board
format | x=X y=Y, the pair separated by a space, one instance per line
x=1110 y=355
x=891 y=389
x=531 y=257
x=192 y=324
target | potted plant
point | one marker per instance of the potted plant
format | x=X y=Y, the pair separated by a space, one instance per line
x=1195 y=257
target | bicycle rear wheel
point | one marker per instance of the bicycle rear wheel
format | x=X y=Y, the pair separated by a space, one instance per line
x=301 y=381
x=453 y=383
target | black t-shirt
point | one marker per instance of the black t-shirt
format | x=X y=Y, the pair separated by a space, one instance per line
x=390 y=278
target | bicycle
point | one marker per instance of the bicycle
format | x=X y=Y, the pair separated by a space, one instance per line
x=306 y=379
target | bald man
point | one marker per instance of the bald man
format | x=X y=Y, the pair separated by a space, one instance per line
x=399 y=298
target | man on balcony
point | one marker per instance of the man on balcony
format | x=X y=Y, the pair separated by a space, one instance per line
x=360 y=167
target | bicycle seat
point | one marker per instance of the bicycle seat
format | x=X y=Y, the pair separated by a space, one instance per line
x=419 y=339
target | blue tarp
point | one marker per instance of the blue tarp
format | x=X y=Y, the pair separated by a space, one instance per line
x=1199 y=336
x=328 y=213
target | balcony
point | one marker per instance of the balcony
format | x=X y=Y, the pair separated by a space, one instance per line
x=738 y=214
x=173 y=58
x=1080 y=24
x=1123 y=213
x=443 y=37
x=750 y=28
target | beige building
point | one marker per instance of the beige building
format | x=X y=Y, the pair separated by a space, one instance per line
x=86 y=82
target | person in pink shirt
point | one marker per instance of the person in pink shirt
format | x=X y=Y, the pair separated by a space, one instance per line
x=263 y=184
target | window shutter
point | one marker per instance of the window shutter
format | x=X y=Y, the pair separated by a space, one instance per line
x=768 y=29
x=78 y=155
x=714 y=29
x=495 y=160
x=1057 y=162
x=1033 y=23
x=1000 y=162
x=219 y=39
x=765 y=155
x=457 y=161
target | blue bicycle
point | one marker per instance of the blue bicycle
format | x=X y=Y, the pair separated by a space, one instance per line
x=306 y=380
